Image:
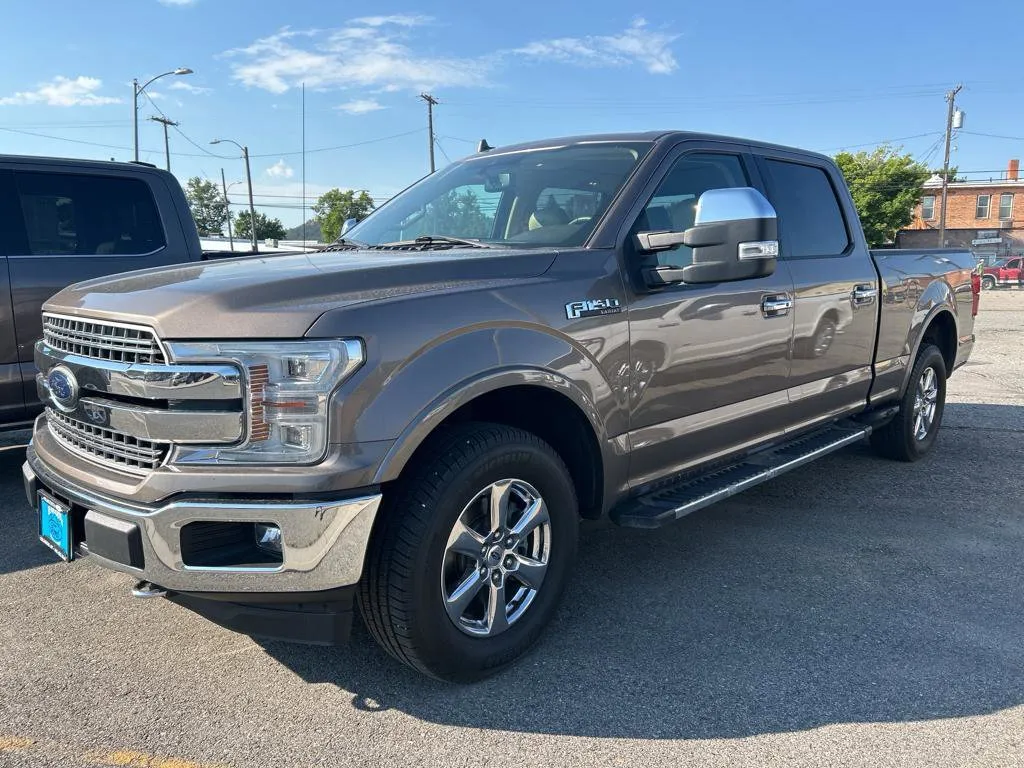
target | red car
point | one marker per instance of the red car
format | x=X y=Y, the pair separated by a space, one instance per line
x=1004 y=272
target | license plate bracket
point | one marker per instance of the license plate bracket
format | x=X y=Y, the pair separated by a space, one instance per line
x=55 y=526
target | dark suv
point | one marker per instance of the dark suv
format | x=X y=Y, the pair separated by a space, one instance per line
x=64 y=221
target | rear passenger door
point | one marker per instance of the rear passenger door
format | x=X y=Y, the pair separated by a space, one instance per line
x=74 y=226
x=835 y=284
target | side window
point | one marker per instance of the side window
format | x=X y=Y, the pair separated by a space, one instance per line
x=674 y=204
x=79 y=215
x=810 y=217
x=467 y=211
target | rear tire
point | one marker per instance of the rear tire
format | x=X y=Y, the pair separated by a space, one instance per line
x=430 y=543
x=912 y=433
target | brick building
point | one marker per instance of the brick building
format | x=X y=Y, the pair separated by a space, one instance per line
x=985 y=216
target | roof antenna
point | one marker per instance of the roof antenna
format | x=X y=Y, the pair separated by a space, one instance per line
x=483 y=146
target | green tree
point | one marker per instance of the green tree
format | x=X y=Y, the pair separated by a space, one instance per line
x=334 y=207
x=266 y=229
x=886 y=185
x=457 y=215
x=206 y=202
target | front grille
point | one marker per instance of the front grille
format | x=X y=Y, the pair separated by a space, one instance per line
x=103 y=340
x=105 y=446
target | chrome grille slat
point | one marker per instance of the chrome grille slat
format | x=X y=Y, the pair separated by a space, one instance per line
x=102 y=340
x=106 y=446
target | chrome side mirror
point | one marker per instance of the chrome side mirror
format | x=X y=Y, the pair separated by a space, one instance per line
x=347 y=225
x=734 y=237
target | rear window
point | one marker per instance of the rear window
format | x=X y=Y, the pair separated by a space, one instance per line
x=809 y=213
x=68 y=214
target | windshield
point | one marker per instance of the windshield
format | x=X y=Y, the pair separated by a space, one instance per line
x=540 y=197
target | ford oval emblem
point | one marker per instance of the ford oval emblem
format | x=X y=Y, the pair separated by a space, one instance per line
x=63 y=387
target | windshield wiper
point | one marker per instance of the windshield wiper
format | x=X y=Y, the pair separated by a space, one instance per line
x=433 y=242
x=341 y=244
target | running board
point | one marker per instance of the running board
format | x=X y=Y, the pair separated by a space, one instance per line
x=671 y=502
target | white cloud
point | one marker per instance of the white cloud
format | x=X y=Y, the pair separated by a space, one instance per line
x=637 y=44
x=360 y=106
x=63 y=92
x=178 y=2
x=400 y=20
x=181 y=85
x=367 y=52
x=280 y=170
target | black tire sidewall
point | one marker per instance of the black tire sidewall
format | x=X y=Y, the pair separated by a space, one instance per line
x=447 y=651
x=931 y=357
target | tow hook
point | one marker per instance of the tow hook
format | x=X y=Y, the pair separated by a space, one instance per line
x=146 y=589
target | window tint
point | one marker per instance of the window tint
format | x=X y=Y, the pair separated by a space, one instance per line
x=981 y=210
x=810 y=218
x=78 y=214
x=1005 y=207
x=674 y=204
x=928 y=207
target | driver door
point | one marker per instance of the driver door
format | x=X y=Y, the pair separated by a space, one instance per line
x=709 y=361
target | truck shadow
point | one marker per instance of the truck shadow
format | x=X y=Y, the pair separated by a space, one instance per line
x=856 y=590
x=19 y=545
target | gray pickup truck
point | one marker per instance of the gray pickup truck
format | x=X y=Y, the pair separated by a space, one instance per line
x=415 y=420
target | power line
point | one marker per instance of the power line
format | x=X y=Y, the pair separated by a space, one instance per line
x=889 y=141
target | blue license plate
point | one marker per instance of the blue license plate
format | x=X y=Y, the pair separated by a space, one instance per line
x=55 y=526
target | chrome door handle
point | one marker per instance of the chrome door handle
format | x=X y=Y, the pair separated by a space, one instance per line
x=864 y=295
x=776 y=306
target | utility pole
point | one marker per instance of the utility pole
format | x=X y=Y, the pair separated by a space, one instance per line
x=951 y=108
x=431 y=103
x=165 y=121
x=227 y=209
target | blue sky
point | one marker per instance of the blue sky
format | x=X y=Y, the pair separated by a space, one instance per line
x=820 y=75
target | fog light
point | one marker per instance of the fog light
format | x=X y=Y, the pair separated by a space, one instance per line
x=268 y=537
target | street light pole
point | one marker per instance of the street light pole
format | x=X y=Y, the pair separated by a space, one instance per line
x=227 y=209
x=136 y=90
x=252 y=207
x=248 y=178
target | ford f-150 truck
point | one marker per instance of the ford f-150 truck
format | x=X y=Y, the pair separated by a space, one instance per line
x=415 y=420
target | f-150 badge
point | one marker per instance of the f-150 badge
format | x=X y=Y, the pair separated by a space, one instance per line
x=592 y=308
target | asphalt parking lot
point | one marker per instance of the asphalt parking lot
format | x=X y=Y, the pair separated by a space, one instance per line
x=855 y=612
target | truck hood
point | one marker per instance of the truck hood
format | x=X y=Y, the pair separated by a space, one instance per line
x=282 y=296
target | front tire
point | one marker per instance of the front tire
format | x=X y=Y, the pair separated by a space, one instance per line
x=912 y=432
x=988 y=283
x=473 y=549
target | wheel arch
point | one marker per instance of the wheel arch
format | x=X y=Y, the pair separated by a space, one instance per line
x=541 y=402
x=940 y=329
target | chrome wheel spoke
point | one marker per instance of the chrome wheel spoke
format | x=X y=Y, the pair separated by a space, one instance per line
x=509 y=559
x=535 y=514
x=459 y=600
x=499 y=502
x=497 y=611
x=465 y=541
x=530 y=571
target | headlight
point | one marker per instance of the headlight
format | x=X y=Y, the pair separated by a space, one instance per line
x=288 y=385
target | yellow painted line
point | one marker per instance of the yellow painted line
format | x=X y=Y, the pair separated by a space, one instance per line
x=14 y=743
x=118 y=758
x=128 y=758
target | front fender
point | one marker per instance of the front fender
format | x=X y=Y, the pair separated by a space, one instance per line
x=405 y=403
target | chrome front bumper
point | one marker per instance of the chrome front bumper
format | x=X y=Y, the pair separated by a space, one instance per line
x=324 y=542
